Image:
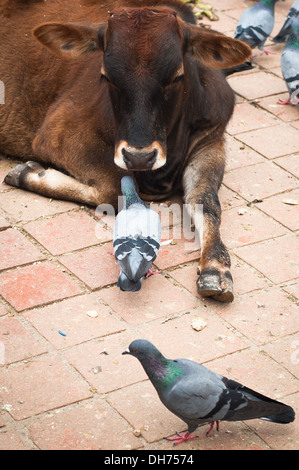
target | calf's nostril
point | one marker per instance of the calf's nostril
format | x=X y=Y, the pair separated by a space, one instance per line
x=139 y=159
x=151 y=157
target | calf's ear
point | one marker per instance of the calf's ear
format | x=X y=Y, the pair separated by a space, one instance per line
x=71 y=40
x=214 y=49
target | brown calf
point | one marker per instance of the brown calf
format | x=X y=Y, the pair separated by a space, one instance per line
x=105 y=87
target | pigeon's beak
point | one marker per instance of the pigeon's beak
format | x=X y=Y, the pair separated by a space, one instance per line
x=127 y=351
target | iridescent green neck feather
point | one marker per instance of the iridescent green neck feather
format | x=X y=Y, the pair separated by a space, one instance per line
x=161 y=371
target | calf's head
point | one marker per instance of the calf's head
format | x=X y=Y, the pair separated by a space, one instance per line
x=145 y=55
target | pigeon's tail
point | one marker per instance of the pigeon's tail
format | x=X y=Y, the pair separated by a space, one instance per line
x=136 y=265
x=287 y=416
x=255 y=405
x=280 y=38
x=125 y=284
x=284 y=33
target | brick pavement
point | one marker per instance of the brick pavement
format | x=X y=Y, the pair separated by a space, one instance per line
x=57 y=273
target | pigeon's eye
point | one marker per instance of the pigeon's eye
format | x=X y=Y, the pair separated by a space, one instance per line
x=136 y=351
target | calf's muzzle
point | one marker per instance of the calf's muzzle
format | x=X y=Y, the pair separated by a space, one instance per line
x=139 y=159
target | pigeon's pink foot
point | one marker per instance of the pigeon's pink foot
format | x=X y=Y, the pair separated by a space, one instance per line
x=264 y=51
x=151 y=271
x=288 y=101
x=211 y=427
x=267 y=52
x=181 y=438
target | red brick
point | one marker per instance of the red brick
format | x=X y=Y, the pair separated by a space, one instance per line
x=272 y=142
x=23 y=206
x=9 y=440
x=247 y=117
x=285 y=113
x=225 y=24
x=4 y=223
x=250 y=227
x=293 y=290
x=286 y=214
x=96 y=266
x=275 y=258
x=141 y=407
x=279 y=437
x=286 y=352
x=239 y=155
x=187 y=276
x=40 y=385
x=68 y=232
x=71 y=317
x=262 y=316
x=228 y=198
x=19 y=342
x=148 y=304
x=3 y=310
x=16 y=249
x=257 y=371
x=260 y=84
x=289 y=163
x=270 y=61
x=102 y=364
x=259 y=181
x=216 y=339
x=6 y=164
x=90 y=426
x=224 y=5
x=180 y=251
x=36 y=284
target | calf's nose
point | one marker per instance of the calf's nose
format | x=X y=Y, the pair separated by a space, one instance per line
x=138 y=159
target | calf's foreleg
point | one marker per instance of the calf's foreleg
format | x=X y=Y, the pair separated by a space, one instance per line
x=201 y=180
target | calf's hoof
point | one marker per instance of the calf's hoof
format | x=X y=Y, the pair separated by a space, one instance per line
x=216 y=284
x=17 y=175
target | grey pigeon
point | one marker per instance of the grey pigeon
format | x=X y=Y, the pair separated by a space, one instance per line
x=256 y=24
x=197 y=395
x=284 y=33
x=290 y=63
x=136 y=238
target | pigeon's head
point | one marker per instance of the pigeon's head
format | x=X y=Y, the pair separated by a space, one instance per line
x=141 y=349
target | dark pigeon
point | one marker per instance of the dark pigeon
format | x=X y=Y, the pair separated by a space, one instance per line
x=284 y=33
x=197 y=395
x=136 y=238
x=290 y=64
x=256 y=24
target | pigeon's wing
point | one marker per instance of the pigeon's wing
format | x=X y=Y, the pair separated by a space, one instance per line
x=135 y=256
x=255 y=25
x=253 y=36
x=136 y=240
x=195 y=398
